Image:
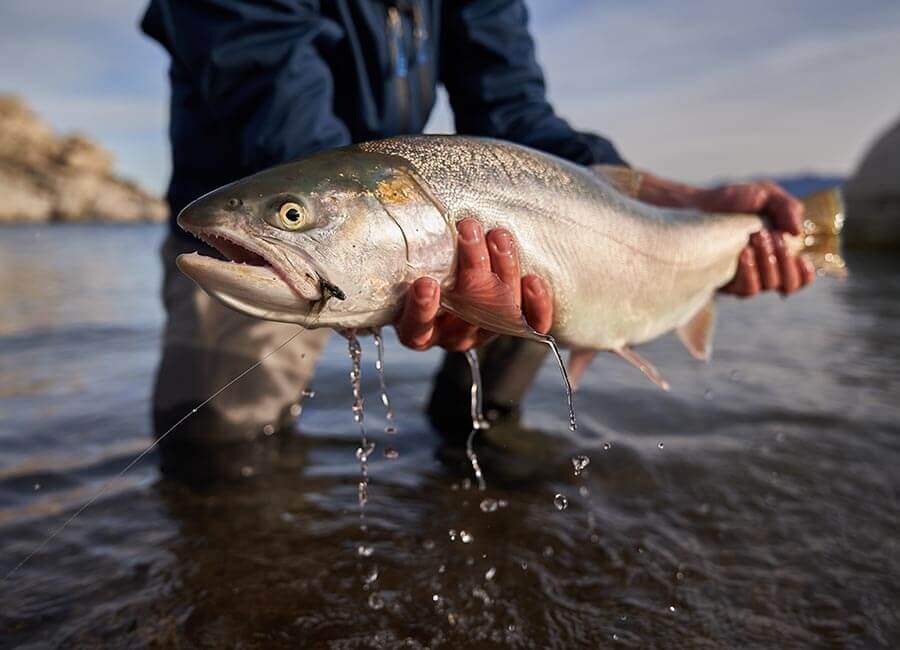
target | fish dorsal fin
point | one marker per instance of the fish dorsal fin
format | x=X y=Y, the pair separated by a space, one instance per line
x=697 y=333
x=624 y=179
x=644 y=366
x=482 y=299
x=579 y=360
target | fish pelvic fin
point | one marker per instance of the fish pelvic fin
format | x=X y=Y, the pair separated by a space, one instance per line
x=820 y=240
x=644 y=366
x=482 y=299
x=697 y=333
x=579 y=360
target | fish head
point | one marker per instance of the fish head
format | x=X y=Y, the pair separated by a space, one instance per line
x=309 y=242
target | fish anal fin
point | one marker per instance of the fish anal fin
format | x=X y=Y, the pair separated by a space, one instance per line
x=579 y=360
x=482 y=299
x=697 y=333
x=644 y=366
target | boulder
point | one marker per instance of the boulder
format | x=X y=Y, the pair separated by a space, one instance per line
x=873 y=195
x=47 y=177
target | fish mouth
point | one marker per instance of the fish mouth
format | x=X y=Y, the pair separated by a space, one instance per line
x=254 y=278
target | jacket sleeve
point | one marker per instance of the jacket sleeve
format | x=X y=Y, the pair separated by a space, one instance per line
x=496 y=86
x=257 y=67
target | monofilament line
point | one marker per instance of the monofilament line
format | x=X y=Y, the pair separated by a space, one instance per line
x=140 y=456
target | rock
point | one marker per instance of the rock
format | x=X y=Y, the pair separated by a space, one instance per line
x=46 y=177
x=873 y=195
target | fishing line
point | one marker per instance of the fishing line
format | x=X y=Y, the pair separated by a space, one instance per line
x=146 y=451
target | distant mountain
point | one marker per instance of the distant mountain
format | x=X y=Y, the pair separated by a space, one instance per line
x=803 y=184
x=50 y=177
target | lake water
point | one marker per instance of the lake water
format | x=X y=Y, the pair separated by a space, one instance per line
x=756 y=505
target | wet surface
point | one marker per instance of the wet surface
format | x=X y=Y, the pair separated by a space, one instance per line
x=754 y=505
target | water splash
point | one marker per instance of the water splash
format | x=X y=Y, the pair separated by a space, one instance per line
x=478 y=421
x=549 y=340
x=389 y=427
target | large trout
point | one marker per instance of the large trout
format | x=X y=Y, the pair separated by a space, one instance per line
x=335 y=239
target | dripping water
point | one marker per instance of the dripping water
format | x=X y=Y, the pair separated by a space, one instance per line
x=549 y=340
x=478 y=421
x=365 y=448
x=389 y=427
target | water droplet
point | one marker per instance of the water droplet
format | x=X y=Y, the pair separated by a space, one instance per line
x=364 y=550
x=679 y=576
x=442 y=568
x=595 y=538
x=376 y=601
x=672 y=608
x=660 y=445
x=584 y=492
x=362 y=493
x=362 y=454
x=481 y=595
x=466 y=537
x=296 y=410
x=561 y=502
x=490 y=573
x=615 y=637
x=371 y=576
x=735 y=375
x=548 y=551
x=579 y=463
x=247 y=471
x=287 y=517
x=37 y=486
x=466 y=484
x=524 y=566
x=435 y=598
x=708 y=394
x=268 y=430
x=391 y=454
x=511 y=628
x=606 y=446
x=428 y=544
x=308 y=393
x=452 y=534
x=390 y=430
x=488 y=505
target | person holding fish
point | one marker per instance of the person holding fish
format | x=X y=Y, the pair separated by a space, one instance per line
x=255 y=84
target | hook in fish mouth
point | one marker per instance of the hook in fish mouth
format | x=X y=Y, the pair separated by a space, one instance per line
x=331 y=289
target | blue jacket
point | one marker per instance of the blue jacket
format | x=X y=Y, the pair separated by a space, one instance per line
x=260 y=82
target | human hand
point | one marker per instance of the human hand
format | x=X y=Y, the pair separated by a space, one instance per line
x=765 y=263
x=422 y=324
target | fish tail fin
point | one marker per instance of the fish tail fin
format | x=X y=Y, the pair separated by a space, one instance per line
x=821 y=238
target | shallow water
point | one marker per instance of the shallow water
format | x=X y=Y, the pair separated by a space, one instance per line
x=754 y=505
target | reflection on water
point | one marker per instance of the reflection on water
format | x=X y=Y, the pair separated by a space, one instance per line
x=756 y=504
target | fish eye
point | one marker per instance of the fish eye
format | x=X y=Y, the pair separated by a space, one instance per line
x=291 y=215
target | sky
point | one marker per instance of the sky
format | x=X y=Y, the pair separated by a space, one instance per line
x=695 y=90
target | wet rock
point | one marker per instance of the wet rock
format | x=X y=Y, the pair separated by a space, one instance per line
x=873 y=195
x=48 y=177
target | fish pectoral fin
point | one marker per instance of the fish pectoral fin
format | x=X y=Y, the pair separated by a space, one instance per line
x=697 y=333
x=482 y=299
x=579 y=360
x=644 y=366
x=624 y=179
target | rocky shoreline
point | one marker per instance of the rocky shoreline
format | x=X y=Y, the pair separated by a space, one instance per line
x=45 y=177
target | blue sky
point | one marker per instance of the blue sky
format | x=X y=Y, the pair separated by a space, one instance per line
x=694 y=90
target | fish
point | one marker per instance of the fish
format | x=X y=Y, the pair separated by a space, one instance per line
x=336 y=238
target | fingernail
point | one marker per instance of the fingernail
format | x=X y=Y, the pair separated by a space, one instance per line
x=424 y=292
x=469 y=230
x=502 y=241
x=535 y=287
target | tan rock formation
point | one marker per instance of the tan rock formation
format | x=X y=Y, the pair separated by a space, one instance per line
x=873 y=195
x=46 y=177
